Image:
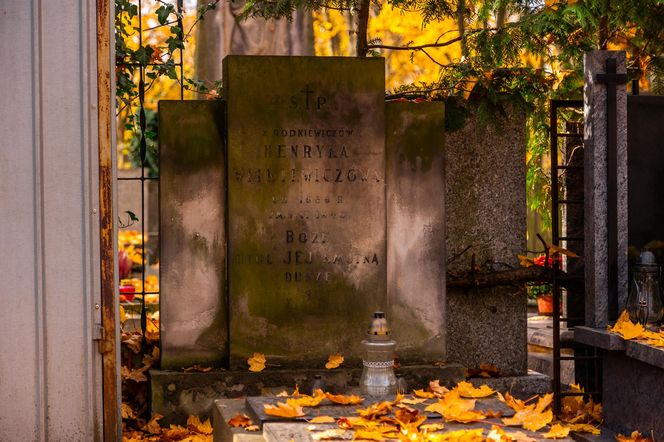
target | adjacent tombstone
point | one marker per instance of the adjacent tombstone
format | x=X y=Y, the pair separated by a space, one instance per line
x=416 y=229
x=485 y=205
x=192 y=240
x=306 y=205
x=604 y=206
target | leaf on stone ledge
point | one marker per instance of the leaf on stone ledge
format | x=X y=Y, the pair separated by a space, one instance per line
x=413 y=401
x=424 y=394
x=240 y=420
x=284 y=410
x=585 y=428
x=322 y=420
x=458 y=436
x=627 y=329
x=334 y=361
x=534 y=416
x=437 y=389
x=344 y=400
x=252 y=428
x=256 y=362
x=466 y=389
x=304 y=400
x=557 y=431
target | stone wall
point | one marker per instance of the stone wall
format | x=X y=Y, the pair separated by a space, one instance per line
x=485 y=203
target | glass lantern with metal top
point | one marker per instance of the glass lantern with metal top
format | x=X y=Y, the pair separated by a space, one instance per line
x=378 y=380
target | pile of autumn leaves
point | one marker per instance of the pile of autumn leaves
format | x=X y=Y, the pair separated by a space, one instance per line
x=399 y=420
x=630 y=331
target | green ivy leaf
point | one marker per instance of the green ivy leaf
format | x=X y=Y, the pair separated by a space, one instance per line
x=163 y=12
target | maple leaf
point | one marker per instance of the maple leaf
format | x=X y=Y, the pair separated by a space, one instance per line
x=132 y=341
x=453 y=408
x=322 y=420
x=555 y=250
x=375 y=410
x=424 y=394
x=413 y=401
x=194 y=424
x=240 y=420
x=627 y=329
x=369 y=435
x=406 y=415
x=256 y=362
x=127 y=412
x=585 y=428
x=136 y=375
x=284 y=410
x=512 y=402
x=437 y=389
x=334 y=361
x=432 y=427
x=252 y=428
x=497 y=434
x=283 y=393
x=466 y=389
x=535 y=416
x=153 y=426
x=557 y=431
x=344 y=400
x=304 y=400
x=634 y=437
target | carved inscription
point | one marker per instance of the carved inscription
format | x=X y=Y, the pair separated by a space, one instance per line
x=306 y=197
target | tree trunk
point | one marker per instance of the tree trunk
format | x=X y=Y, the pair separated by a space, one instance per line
x=362 y=43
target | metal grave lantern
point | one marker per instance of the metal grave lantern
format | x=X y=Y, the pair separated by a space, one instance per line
x=644 y=303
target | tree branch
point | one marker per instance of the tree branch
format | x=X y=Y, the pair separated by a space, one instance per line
x=510 y=277
x=415 y=48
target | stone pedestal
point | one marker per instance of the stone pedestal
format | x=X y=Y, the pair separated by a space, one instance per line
x=485 y=206
x=598 y=308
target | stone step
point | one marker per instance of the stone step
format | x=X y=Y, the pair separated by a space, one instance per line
x=542 y=362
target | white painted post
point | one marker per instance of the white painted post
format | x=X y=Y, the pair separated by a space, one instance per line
x=50 y=369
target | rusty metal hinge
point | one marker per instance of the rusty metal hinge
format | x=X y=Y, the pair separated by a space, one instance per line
x=104 y=346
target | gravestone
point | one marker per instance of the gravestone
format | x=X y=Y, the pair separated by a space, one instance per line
x=416 y=229
x=192 y=240
x=306 y=205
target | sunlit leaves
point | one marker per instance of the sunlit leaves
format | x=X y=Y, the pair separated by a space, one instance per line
x=256 y=362
x=286 y=410
x=467 y=390
x=533 y=416
x=334 y=361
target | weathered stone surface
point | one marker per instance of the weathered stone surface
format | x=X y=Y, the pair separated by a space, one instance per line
x=486 y=210
x=306 y=205
x=416 y=229
x=224 y=410
x=598 y=310
x=175 y=395
x=600 y=338
x=192 y=240
x=632 y=395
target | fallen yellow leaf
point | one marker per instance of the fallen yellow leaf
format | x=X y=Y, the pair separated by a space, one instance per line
x=322 y=420
x=424 y=394
x=557 y=431
x=334 y=361
x=585 y=428
x=252 y=428
x=466 y=389
x=437 y=389
x=413 y=401
x=284 y=410
x=453 y=408
x=535 y=416
x=195 y=424
x=344 y=400
x=432 y=427
x=304 y=400
x=256 y=362
x=627 y=329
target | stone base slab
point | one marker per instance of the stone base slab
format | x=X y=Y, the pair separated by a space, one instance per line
x=175 y=395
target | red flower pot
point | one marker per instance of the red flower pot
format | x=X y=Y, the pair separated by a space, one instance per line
x=545 y=304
